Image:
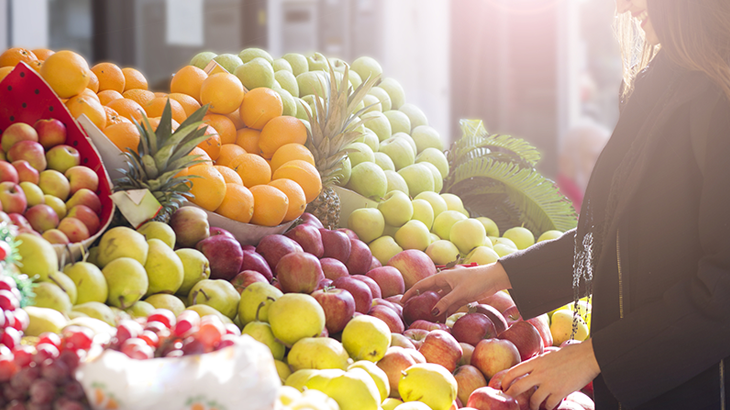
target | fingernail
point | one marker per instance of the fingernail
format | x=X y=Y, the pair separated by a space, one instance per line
x=435 y=312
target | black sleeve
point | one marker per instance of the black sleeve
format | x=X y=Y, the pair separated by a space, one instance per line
x=542 y=275
x=665 y=343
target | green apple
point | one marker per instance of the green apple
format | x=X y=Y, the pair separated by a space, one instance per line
x=261 y=332
x=54 y=183
x=377 y=374
x=550 y=235
x=298 y=62
x=354 y=79
x=395 y=91
x=504 y=241
x=390 y=230
x=423 y=212
x=256 y=73
x=503 y=250
x=438 y=204
x=429 y=383
x=418 y=177
x=158 y=230
x=295 y=316
x=382 y=96
x=396 y=208
x=434 y=237
x=426 y=137
x=406 y=137
x=399 y=150
x=312 y=83
x=288 y=102
x=453 y=202
x=383 y=161
x=442 y=252
x=302 y=108
x=414 y=114
x=201 y=60
x=384 y=248
x=562 y=324
x=354 y=390
x=378 y=123
x=395 y=181
x=317 y=62
x=90 y=283
x=362 y=153
x=256 y=299
x=399 y=121
x=218 y=294
x=438 y=180
x=367 y=223
x=366 y=67
x=413 y=235
x=521 y=236
x=249 y=54
x=444 y=221
x=166 y=301
x=371 y=103
x=317 y=353
x=366 y=338
x=368 y=180
x=287 y=81
x=489 y=225
x=369 y=138
x=342 y=177
x=467 y=234
x=33 y=194
x=338 y=64
x=280 y=64
x=482 y=255
x=435 y=157
x=228 y=61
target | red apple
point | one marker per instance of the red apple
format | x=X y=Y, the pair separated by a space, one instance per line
x=309 y=238
x=336 y=245
x=512 y=315
x=360 y=258
x=500 y=300
x=51 y=132
x=488 y=398
x=62 y=158
x=215 y=230
x=389 y=316
x=87 y=216
x=395 y=299
x=582 y=400
x=420 y=307
x=397 y=339
x=349 y=232
x=299 y=272
x=19 y=221
x=416 y=336
x=523 y=399
x=426 y=325
x=398 y=309
x=374 y=288
x=525 y=337
x=82 y=177
x=41 y=217
x=359 y=290
x=389 y=279
x=441 y=348
x=324 y=284
x=310 y=219
x=54 y=236
x=493 y=355
x=75 y=230
x=333 y=268
x=224 y=254
x=542 y=324
x=498 y=320
x=246 y=248
x=375 y=263
x=26 y=173
x=395 y=361
x=274 y=247
x=338 y=306
x=468 y=351
x=17 y=132
x=254 y=261
x=30 y=151
x=245 y=278
x=85 y=197
x=473 y=327
x=468 y=378
x=190 y=225
x=12 y=198
x=8 y=173
x=413 y=265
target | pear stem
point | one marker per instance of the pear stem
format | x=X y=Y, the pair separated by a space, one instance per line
x=258 y=309
x=204 y=294
x=57 y=283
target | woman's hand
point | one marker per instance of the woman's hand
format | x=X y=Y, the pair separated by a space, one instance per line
x=555 y=374
x=461 y=285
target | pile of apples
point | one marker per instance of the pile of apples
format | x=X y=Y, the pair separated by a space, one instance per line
x=44 y=188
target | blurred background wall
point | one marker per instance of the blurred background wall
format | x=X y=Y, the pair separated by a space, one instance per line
x=530 y=68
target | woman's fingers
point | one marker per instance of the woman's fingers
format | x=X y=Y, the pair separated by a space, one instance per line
x=430 y=283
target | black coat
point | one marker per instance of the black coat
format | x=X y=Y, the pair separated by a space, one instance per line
x=661 y=287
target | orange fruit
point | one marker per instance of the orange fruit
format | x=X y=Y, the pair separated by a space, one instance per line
x=295 y=194
x=228 y=154
x=189 y=104
x=110 y=76
x=259 y=106
x=155 y=106
x=248 y=139
x=142 y=97
x=113 y=117
x=304 y=174
x=4 y=71
x=127 y=108
x=252 y=169
x=212 y=146
x=133 y=79
x=188 y=80
x=89 y=93
x=36 y=65
x=203 y=155
x=280 y=131
x=223 y=91
x=107 y=96
x=155 y=122
x=42 y=53
x=93 y=84
x=124 y=135
x=238 y=203
x=270 y=205
x=66 y=72
x=183 y=173
x=229 y=175
x=81 y=104
x=223 y=126
x=12 y=56
x=290 y=152
x=235 y=116
x=209 y=188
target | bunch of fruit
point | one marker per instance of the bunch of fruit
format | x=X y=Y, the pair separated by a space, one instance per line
x=44 y=188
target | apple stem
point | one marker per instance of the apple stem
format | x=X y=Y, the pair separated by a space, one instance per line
x=57 y=284
x=258 y=309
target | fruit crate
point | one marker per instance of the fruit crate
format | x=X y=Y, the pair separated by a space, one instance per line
x=26 y=97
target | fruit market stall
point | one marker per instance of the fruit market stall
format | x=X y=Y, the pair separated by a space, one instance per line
x=244 y=239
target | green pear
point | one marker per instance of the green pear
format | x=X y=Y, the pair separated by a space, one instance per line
x=418 y=177
x=317 y=353
x=416 y=116
x=98 y=311
x=37 y=256
x=366 y=338
x=65 y=283
x=250 y=308
x=429 y=383
x=249 y=54
x=158 y=230
x=426 y=136
x=93 y=256
x=295 y=316
x=205 y=310
x=256 y=73
x=164 y=301
x=119 y=314
x=423 y=212
x=298 y=62
x=383 y=97
x=201 y=60
x=261 y=332
x=121 y=242
x=228 y=61
x=377 y=374
x=367 y=223
x=49 y=295
x=391 y=404
x=126 y=279
x=280 y=64
x=399 y=121
x=395 y=92
x=368 y=180
x=95 y=325
x=43 y=320
x=383 y=161
x=90 y=282
x=164 y=268
x=366 y=67
x=218 y=294
x=288 y=82
x=354 y=390
x=284 y=372
x=195 y=268
x=299 y=378
x=435 y=157
x=140 y=309
x=73 y=315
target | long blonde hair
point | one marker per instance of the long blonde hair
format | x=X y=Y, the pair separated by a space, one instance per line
x=694 y=33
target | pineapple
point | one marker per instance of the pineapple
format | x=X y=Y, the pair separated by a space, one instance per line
x=334 y=125
x=161 y=155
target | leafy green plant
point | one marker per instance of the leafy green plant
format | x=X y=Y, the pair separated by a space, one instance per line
x=495 y=176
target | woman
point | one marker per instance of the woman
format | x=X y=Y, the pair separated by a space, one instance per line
x=653 y=240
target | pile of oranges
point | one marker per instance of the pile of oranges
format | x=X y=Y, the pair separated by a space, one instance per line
x=256 y=170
